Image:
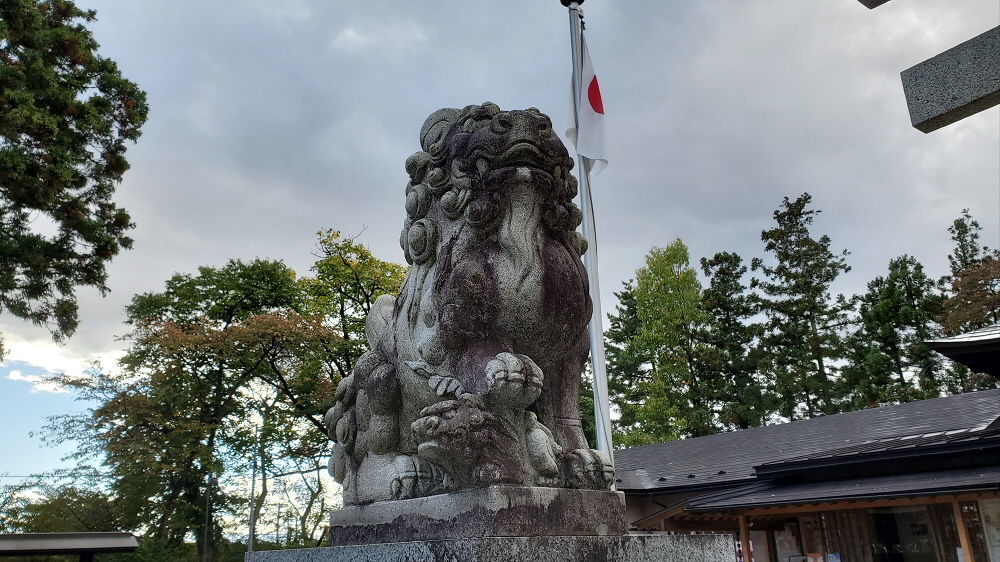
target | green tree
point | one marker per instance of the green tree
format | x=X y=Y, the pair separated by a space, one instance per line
x=166 y=423
x=677 y=399
x=349 y=278
x=729 y=338
x=965 y=233
x=628 y=363
x=803 y=342
x=889 y=361
x=65 y=116
x=61 y=509
x=232 y=364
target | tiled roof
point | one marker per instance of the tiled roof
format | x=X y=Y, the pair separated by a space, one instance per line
x=922 y=444
x=728 y=458
x=929 y=483
x=989 y=333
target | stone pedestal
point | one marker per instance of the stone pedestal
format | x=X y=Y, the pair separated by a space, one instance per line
x=496 y=511
x=659 y=548
x=500 y=523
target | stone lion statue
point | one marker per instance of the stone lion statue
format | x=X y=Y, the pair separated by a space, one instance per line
x=473 y=372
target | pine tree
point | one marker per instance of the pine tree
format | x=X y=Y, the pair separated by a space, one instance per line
x=628 y=364
x=803 y=342
x=965 y=233
x=66 y=114
x=730 y=343
x=889 y=361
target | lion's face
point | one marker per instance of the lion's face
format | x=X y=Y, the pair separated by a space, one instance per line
x=471 y=160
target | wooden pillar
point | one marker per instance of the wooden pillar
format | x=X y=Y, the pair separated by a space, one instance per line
x=768 y=555
x=963 y=532
x=745 y=538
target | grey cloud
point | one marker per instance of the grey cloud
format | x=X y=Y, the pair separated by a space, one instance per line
x=272 y=120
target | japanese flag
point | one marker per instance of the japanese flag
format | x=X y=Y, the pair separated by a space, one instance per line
x=590 y=140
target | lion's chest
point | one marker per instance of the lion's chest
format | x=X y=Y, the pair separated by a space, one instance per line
x=544 y=304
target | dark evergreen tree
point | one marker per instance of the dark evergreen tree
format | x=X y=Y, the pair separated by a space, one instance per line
x=628 y=364
x=965 y=233
x=729 y=340
x=66 y=114
x=803 y=343
x=889 y=361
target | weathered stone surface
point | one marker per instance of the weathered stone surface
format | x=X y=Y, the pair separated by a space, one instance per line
x=496 y=511
x=955 y=84
x=473 y=373
x=661 y=548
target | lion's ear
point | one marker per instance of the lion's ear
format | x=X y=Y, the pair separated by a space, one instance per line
x=416 y=166
x=435 y=127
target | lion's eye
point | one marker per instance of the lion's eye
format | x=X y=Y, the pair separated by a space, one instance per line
x=501 y=123
x=545 y=129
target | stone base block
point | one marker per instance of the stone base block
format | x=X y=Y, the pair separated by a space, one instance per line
x=496 y=511
x=663 y=548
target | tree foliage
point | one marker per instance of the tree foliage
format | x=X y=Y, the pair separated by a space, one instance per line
x=667 y=297
x=232 y=364
x=628 y=363
x=730 y=337
x=66 y=114
x=965 y=234
x=688 y=358
x=804 y=330
x=889 y=361
x=974 y=283
x=975 y=299
x=56 y=509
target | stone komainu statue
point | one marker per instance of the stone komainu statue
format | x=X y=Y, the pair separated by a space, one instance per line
x=474 y=370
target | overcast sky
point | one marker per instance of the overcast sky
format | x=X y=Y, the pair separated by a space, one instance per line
x=272 y=120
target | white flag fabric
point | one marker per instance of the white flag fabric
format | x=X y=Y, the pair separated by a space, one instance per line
x=590 y=141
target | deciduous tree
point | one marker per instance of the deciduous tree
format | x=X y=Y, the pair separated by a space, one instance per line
x=233 y=363
x=677 y=399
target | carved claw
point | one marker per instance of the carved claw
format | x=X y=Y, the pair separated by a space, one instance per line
x=487 y=473
x=416 y=477
x=515 y=380
x=588 y=469
x=542 y=451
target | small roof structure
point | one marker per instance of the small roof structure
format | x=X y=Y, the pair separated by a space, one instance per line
x=83 y=544
x=979 y=350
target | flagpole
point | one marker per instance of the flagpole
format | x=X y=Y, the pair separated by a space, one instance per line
x=602 y=413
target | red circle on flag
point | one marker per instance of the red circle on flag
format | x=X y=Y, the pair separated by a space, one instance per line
x=594 y=96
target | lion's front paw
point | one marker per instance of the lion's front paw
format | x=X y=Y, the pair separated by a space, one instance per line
x=588 y=469
x=515 y=380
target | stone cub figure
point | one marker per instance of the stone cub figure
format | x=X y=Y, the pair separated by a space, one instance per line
x=473 y=372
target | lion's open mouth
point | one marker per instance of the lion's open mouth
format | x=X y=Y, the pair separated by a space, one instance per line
x=520 y=155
